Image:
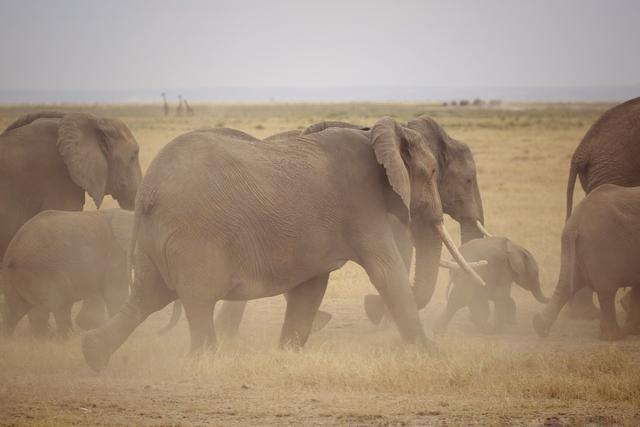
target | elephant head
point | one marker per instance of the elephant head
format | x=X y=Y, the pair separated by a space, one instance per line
x=412 y=172
x=457 y=180
x=101 y=156
x=525 y=270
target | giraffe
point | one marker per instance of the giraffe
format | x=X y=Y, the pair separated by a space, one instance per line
x=166 y=106
x=180 y=107
x=187 y=107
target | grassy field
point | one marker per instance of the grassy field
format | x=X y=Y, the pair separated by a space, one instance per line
x=351 y=372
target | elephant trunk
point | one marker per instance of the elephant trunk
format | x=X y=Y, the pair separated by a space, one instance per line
x=469 y=230
x=472 y=225
x=428 y=251
x=537 y=293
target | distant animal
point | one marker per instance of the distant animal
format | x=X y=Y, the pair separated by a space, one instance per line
x=477 y=102
x=180 y=109
x=213 y=223
x=58 y=258
x=609 y=153
x=187 y=107
x=600 y=247
x=463 y=102
x=49 y=159
x=507 y=262
x=165 y=104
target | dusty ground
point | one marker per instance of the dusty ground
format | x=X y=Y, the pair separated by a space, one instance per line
x=353 y=373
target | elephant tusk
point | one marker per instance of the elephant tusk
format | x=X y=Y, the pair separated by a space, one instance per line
x=448 y=242
x=482 y=229
x=452 y=265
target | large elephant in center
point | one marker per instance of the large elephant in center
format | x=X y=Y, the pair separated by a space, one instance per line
x=223 y=216
x=608 y=154
x=459 y=192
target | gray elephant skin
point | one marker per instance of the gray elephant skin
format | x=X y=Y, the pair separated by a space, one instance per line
x=58 y=258
x=459 y=193
x=600 y=247
x=507 y=263
x=49 y=159
x=609 y=153
x=224 y=216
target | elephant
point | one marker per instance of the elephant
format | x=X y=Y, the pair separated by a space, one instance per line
x=223 y=216
x=609 y=153
x=49 y=159
x=507 y=262
x=58 y=258
x=600 y=246
x=459 y=193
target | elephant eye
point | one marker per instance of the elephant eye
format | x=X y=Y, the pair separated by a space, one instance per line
x=134 y=156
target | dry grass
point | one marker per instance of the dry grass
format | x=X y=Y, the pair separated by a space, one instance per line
x=352 y=372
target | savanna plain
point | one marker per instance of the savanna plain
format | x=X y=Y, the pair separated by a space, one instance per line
x=352 y=372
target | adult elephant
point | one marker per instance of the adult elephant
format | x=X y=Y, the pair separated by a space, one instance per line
x=49 y=159
x=609 y=153
x=459 y=192
x=222 y=216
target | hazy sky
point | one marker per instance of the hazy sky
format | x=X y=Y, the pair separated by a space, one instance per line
x=128 y=45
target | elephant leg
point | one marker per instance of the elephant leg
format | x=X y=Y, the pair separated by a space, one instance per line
x=91 y=315
x=388 y=274
x=199 y=312
x=374 y=307
x=632 y=324
x=581 y=306
x=149 y=294
x=229 y=317
x=63 y=321
x=609 y=329
x=481 y=310
x=625 y=301
x=458 y=298
x=302 y=305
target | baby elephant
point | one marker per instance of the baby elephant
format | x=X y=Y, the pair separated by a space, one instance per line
x=60 y=257
x=507 y=262
x=599 y=249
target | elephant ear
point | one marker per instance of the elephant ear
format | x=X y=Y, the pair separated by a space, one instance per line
x=392 y=145
x=83 y=149
x=518 y=259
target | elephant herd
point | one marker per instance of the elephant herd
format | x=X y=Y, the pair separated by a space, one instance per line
x=221 y=215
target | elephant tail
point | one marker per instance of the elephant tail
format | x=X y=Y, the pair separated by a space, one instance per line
x=573 y=173
x=28 y=118
x=175 y=316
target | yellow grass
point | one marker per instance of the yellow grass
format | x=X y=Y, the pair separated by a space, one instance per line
x=353 y=372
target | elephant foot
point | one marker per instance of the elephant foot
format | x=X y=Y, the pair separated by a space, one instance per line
x=374 y=307
x=320 y=321
x=94 y=353
x=612 y=333
x=541 y=326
